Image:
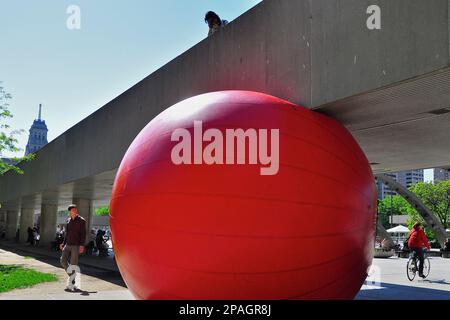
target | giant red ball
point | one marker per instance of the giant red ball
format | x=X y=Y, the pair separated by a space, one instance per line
x=204 y=229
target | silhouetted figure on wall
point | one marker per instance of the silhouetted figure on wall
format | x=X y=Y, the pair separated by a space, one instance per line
x=214 y=22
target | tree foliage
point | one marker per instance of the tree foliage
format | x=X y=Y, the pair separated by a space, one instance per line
x=436 y=197
x=8 y=140
x=102 y=211
x=392 y=205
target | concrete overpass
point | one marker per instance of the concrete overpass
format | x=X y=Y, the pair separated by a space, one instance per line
x=388 y=86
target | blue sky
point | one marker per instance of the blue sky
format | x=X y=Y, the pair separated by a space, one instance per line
x=75 y=72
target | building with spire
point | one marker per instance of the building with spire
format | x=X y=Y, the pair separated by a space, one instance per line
x=38 y=134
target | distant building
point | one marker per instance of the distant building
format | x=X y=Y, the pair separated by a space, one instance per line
x=383 y=190
x=38 y=135
x=408 y=178
x=441 y=174
x=405 y=178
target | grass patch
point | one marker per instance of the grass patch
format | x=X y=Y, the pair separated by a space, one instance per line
x=28 y=258
x=16 y=277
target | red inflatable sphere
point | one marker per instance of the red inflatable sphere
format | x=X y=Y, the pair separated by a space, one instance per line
x=241 y=195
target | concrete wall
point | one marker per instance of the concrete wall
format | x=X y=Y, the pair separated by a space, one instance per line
x=300 y=50
x=349 y=59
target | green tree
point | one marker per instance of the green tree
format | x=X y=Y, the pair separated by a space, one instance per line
x=392 y=205
x=8 y=141
x=102 y=211
x=435 y=197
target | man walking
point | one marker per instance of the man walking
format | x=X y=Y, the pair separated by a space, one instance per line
x=74 y=240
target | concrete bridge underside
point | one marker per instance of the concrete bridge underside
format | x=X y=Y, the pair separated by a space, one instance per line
x=389 y=87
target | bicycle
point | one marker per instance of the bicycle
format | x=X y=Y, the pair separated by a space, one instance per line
x=412 y=266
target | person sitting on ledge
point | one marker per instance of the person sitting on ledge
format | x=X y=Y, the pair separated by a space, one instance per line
x=214 y=22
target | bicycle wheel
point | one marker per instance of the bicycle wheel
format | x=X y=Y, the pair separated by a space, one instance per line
x=426 y=267
x=411 y=269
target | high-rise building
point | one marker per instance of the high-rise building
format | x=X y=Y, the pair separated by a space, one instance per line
x=38 y=135
x=410 y=177
x=441 y=174
x=405 y=178
x=383 y=190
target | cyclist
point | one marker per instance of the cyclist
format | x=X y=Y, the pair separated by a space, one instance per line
x=418 y=240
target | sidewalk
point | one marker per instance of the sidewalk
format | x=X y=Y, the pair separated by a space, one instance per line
x=96 y=283
x=106 y=263
x=101 y=281
x=388 y=281
x=95 y=295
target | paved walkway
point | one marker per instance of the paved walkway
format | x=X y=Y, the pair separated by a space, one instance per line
x=96 y=283
x=388 y=281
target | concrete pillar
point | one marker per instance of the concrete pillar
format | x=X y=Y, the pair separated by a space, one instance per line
x=85 y=210
x=12 y=217
x=49 y=213
x=2 y=221
x=26 y=220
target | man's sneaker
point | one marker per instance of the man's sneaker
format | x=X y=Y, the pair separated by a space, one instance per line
x=422 y=276
x=69 y=289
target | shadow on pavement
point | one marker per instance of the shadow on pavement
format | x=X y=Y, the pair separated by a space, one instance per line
x=81 y=292
x=53 y=259
x=389 y=291
x=87 y=293
x=442 y=281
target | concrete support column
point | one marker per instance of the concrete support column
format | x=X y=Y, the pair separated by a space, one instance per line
x=85 y=209
x=26 y=220
x=12 y=218
x=49 y=214
x=2 y=221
